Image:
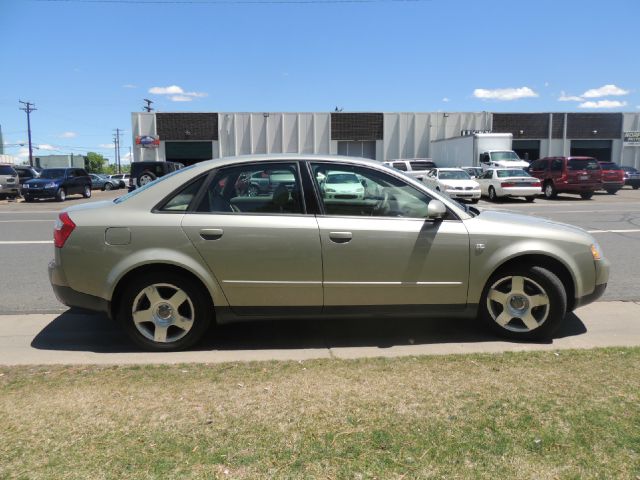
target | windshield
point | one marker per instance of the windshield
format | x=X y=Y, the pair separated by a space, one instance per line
x=518 y=172
x=52 y=173
x=453 y=175
x=342 y=178
x=7 y=170
x=507 y=156
x=155 y=182
x=583 y=164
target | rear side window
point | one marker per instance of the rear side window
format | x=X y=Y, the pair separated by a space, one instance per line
x=583 y=164
x=7 y=170
x=180 y=201
x=400 y=166
x=610 y=166
x=556 y=165
x=421 y=165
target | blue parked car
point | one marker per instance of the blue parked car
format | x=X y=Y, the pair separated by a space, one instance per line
x=103 y=182
x=57 y=183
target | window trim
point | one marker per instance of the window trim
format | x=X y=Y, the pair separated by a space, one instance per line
x=157 y=208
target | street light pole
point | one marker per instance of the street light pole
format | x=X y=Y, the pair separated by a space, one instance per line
x=29 y=107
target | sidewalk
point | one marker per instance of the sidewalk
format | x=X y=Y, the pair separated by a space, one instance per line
x=74 y=338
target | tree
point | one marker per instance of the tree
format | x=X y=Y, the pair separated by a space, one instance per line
x=95 y=162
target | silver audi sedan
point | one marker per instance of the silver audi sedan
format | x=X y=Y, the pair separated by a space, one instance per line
x=200 y=246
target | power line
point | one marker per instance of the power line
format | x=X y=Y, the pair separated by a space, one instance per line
x=29 y=107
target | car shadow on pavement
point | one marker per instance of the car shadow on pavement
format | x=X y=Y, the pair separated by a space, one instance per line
x=79 y=331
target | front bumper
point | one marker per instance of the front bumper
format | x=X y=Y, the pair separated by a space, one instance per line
x=7 y=189
x=72 y=298
x=464 y=194
x=602 y=277
x=39 y=192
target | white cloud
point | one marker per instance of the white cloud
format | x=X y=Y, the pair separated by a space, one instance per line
x=68 y=135
x=504 y=93
x=126 y=158
x=170 y=90
x=180 y=98
x=445 y=99
x=46 y=146
x=176 y=93
x=129 y=85
x=107 y=145
x=603 y=104
x=605 y=91
x=569 y=98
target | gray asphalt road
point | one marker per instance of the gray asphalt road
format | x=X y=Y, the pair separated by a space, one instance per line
x=24 y=286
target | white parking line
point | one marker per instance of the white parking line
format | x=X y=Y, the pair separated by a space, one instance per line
x=25 y=242
x=51 y=220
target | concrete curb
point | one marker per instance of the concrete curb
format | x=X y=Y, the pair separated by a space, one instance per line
x=74 y=338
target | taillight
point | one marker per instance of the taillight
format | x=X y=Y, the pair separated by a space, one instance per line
x=536 y=184
x=64 y=227
x=507 y=184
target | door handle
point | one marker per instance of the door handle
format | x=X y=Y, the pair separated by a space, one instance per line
x=211 y=233
x=340 y=237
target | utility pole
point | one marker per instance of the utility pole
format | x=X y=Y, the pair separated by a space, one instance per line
x=29 y=107
x=116 y=141
x=147 y=107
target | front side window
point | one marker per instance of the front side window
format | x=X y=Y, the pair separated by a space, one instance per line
x=269 y=188
x=349 y=190
x=556 y=165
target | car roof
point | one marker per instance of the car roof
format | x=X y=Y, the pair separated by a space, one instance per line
x=449 y=169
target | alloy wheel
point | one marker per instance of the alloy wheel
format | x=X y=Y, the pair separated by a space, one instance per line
x=518 y=303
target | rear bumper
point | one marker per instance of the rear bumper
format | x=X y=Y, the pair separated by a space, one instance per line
x=72 y=298
x=520 y=191
x=577 y=187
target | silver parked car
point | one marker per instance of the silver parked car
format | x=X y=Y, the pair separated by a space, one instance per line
x=188 y=249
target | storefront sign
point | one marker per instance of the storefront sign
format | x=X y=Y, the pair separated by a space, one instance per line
x=466 y=133
x=148 y=141
x=632 y=139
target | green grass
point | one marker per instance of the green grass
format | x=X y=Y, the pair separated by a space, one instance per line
x=567 y=415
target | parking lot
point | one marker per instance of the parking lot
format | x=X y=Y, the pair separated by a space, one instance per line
x=26 y=246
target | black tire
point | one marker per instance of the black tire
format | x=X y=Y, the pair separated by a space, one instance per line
x=586 y=196
x=28 y=199
x=493 y=196
x=635 y=187
x=145 y=177
x=86 y=193
x=549 y=191
x=108 y=186
x=537 y=281
x=530 y=199
x=612 y=191
x=198 y=307
x=475 y=200
x=61 y=195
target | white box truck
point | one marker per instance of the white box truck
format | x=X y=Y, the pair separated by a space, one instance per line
x=488 y=150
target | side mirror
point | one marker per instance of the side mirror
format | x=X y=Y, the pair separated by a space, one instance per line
x=436 y=210
x=363 y=182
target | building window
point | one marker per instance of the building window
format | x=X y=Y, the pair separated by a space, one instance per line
x=357 y=149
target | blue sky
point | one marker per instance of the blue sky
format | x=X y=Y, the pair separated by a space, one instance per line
x=87 y=65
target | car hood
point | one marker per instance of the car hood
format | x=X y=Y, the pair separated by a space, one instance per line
x=460 y=183
x=521 y=223
x=42 y=181
x=345 y=187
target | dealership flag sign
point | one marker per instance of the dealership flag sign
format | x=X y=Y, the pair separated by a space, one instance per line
x=632 y=139
x=148 y=141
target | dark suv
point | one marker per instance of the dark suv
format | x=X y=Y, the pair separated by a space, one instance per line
x=145 y=172
x=580 y=175
x=58 y=183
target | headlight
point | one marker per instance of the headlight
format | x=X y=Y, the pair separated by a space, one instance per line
x=596 y=251
x=330 y=190
x=51 y=185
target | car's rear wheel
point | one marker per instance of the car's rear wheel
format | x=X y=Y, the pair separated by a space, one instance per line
x=165 y=312
x=550 y=191
x=524 y=303
x=146 y=177
x=108 y=186
x=87 y=191
x=61 y=195
x=586 y=196
x=493 y=196
x=635 y=187
x=530 y=199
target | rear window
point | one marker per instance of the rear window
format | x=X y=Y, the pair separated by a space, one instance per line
x=421 y=165
x=7 y=170
x=512 y=173
x=610 y=166
x=583 y=164
x=400 y=166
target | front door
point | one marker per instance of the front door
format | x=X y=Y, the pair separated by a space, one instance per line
x=380 y=252
x=262 y=248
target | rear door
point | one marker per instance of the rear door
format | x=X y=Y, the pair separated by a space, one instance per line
x=264 y=250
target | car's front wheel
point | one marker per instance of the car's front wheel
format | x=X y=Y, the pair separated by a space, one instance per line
x=524 y=303
x=493 y=196
x=550 y=191
x=107 y=186
x=61 y=195
x=165 y=312
x=87 y=191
